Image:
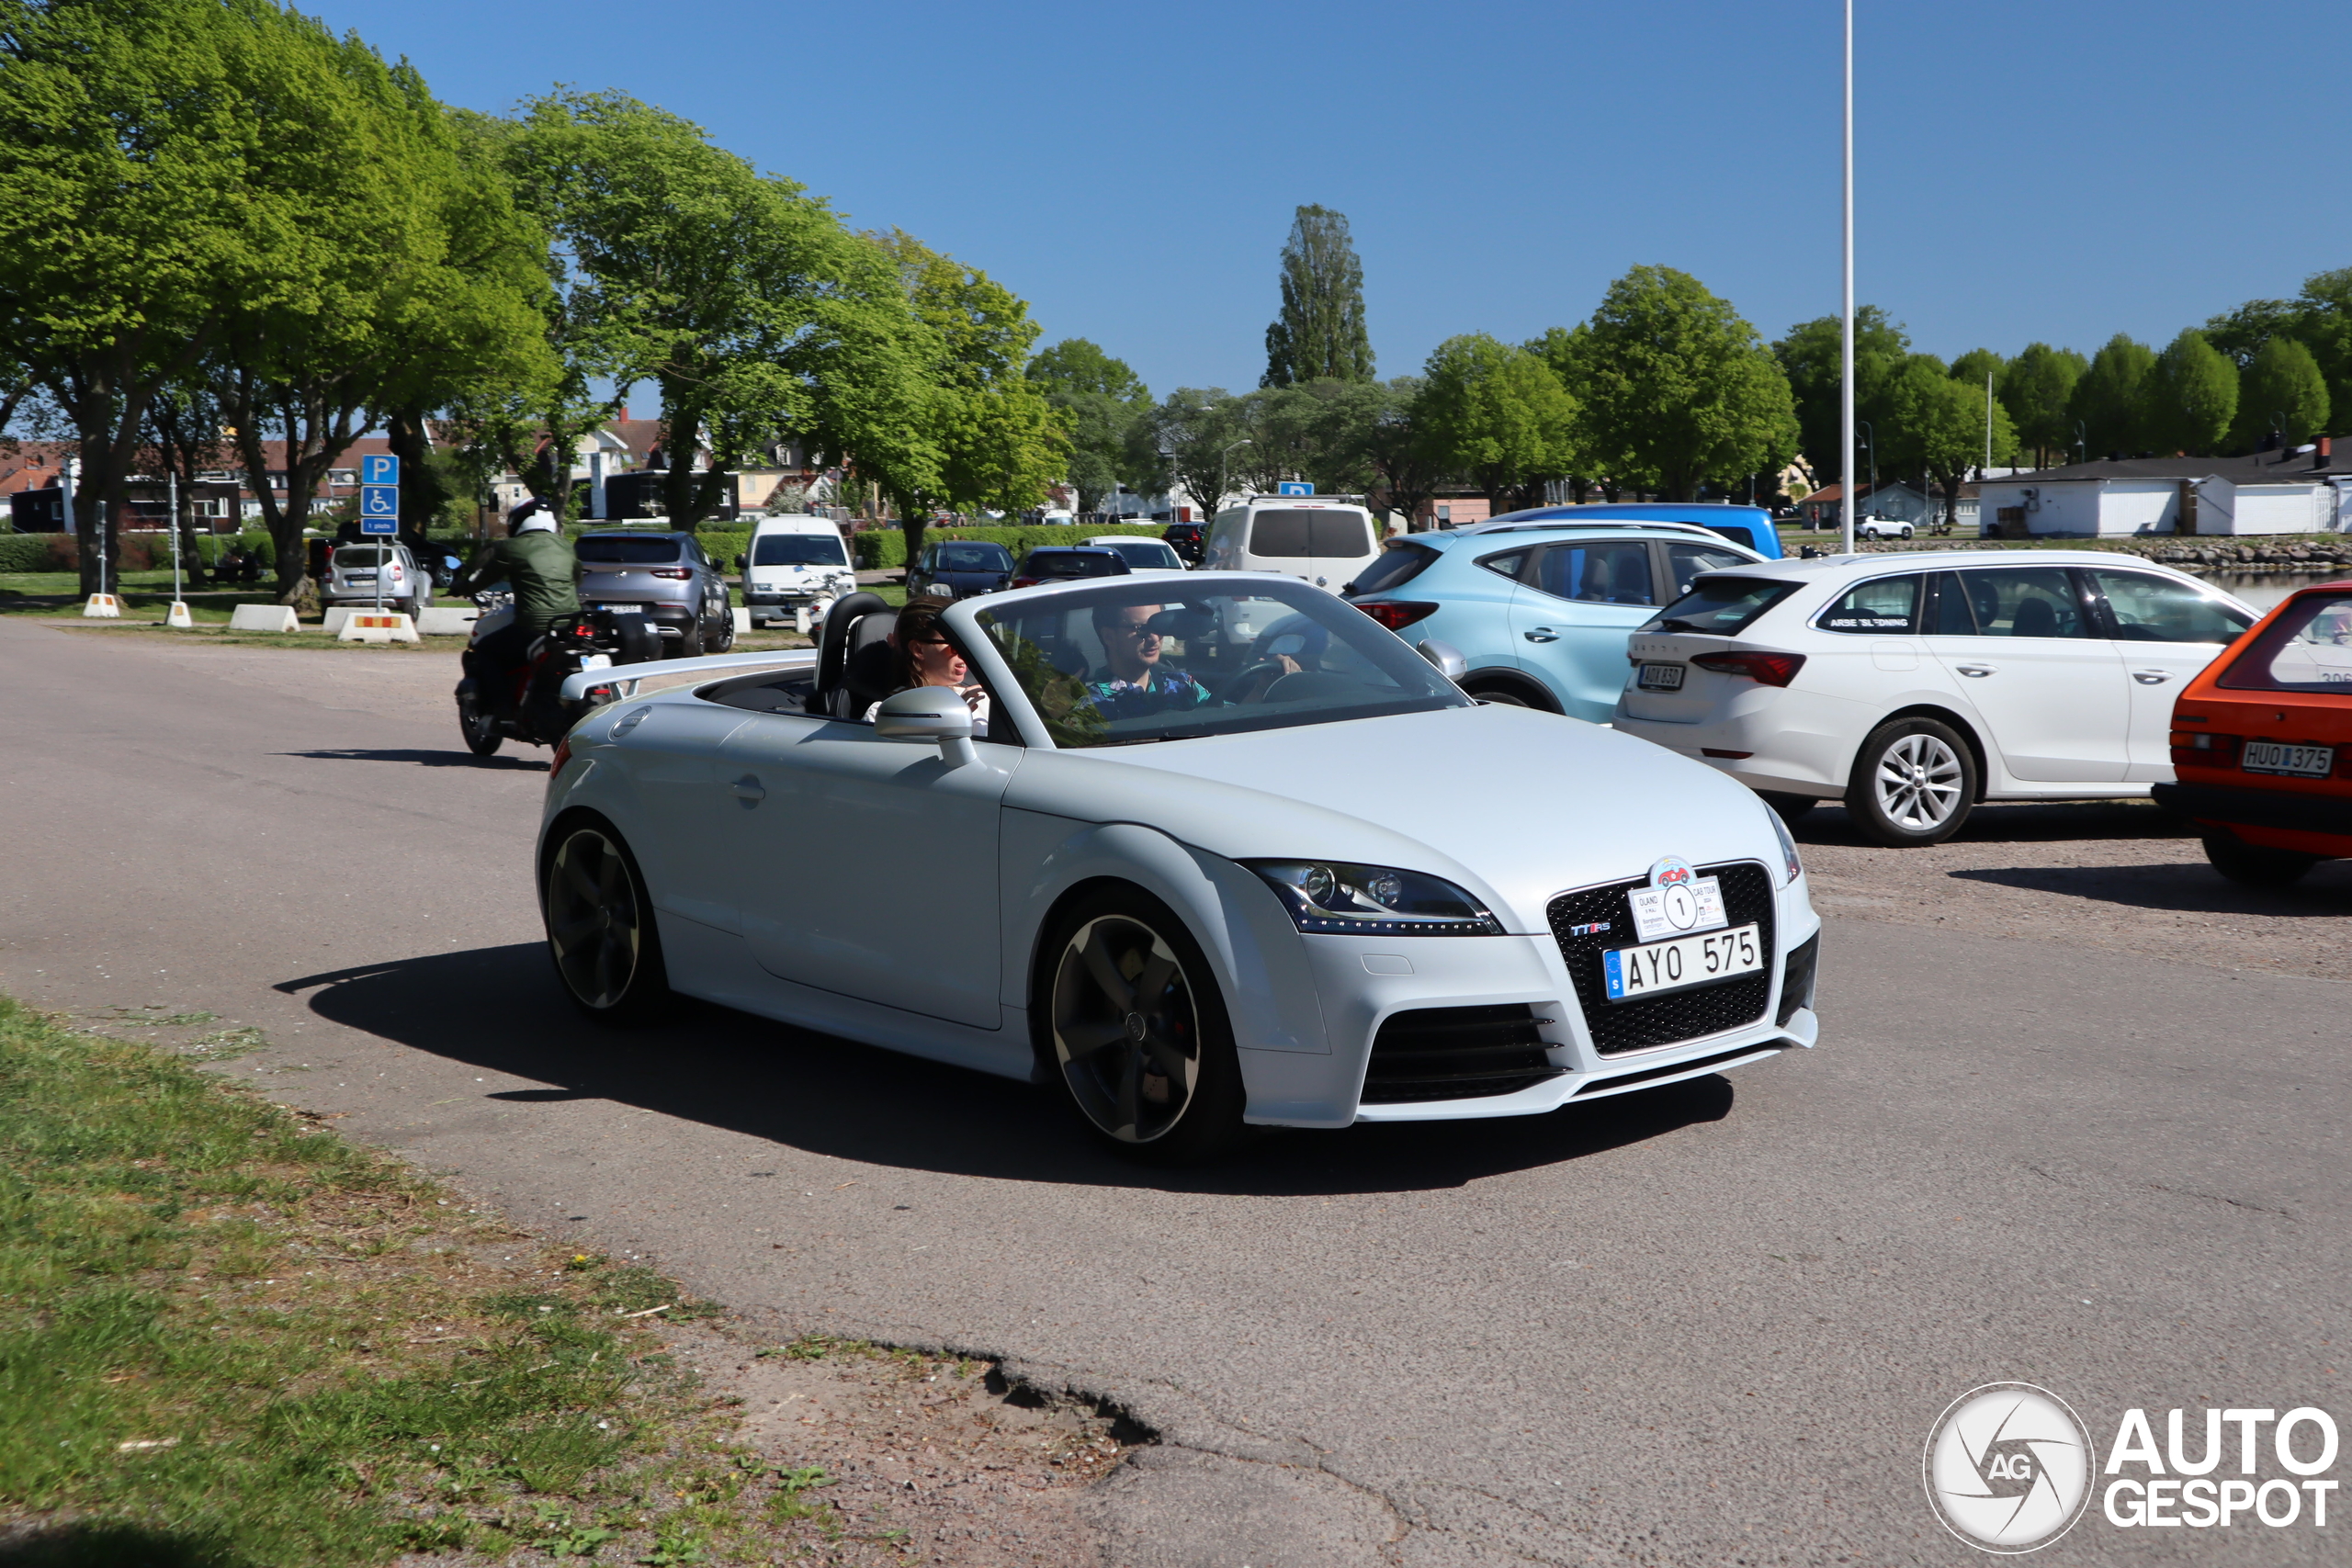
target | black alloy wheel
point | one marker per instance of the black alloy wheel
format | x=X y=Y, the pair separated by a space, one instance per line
x=1139 y=1033
x=2254 y=865
x=601 y=933
x=725 y=639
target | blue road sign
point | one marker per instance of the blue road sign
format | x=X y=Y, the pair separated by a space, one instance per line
x=385 y=526
x=1295 y=487
x=379 y=501
x=379 y=468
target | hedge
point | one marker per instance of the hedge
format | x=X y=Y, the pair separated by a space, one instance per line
x=882 y=548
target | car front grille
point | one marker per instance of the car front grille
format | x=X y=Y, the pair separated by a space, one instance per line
x=1678 y=1015
x=1457 y=1053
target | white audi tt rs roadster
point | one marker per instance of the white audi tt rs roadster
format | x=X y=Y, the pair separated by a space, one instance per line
x=1198 y=853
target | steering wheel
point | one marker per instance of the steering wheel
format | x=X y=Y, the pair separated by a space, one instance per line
x=1312 y=639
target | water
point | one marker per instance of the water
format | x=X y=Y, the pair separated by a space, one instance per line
x=2262 y=588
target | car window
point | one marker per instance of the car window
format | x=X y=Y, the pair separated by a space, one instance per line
x=2022 y=601
x=1073 y=563
x=1720 y=606
x=800 y=550
x=2157 y=609
x=1885 y=607
x=1687 y=561
x=1507 y=565
x=976 y=557
x=1279 y=534
x=1613 y=573
x=1146 y=553
x=1398 y=565
x=2307 y=649
x=1290 y=533
x=620 y=550
x=1156 y=659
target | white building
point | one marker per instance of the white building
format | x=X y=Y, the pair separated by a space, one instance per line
x=2305 y=491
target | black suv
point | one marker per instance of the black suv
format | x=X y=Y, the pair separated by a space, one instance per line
x=1189 y=540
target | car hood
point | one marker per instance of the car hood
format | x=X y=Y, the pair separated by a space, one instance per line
x=1516 y=806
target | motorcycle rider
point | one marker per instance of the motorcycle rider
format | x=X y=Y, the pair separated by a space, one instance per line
x=537 y=562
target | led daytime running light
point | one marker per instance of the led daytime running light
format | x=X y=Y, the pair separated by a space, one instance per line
x=1341 y=898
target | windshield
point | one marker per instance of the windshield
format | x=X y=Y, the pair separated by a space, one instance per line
x=2307 y=649
x=627 y=550
x=1147 y=553
x=1720 y=606
x=1155 y=661
x=1073 y=563
x=973 y=558
x=796 y=549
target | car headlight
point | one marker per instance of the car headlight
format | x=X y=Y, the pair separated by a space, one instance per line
x=1334 y=897
x=1788 y=845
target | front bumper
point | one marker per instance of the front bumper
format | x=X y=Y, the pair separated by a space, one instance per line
x=1364 y=982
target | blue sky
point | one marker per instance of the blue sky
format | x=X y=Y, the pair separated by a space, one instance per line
x=2056 y=171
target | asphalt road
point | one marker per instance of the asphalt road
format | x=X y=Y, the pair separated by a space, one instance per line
x=1712 y=1324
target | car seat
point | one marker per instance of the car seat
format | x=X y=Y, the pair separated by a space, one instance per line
x=2035 y=618
x=854 y=657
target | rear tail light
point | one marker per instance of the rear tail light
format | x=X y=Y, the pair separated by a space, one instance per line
x=676 y=574
x=562 y=755
x=1764 y=668
x=1024 y=583
x=1395 y=614
x=2200 y=749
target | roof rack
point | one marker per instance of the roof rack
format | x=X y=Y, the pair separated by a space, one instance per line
x=1349 y=500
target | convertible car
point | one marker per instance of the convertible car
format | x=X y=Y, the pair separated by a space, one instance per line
x=1227 y=852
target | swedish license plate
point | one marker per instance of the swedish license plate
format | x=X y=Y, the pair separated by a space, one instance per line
x=622 y=609
x=2275 y=757
x=1661 y=678
x=1654 y=968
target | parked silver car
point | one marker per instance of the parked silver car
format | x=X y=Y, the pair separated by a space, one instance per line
x=665 y=578
x=352 y=572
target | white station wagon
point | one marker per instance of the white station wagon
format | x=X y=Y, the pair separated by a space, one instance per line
x=1168 y=880
x=1912 y=686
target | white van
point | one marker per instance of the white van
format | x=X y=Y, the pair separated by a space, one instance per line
x=796 y=561
x=1324 y=540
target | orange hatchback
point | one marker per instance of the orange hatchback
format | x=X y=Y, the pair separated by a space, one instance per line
x=2262 y=742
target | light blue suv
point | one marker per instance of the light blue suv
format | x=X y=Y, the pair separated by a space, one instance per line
x=1539 y=609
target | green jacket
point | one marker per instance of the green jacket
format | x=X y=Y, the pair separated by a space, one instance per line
x=542 y=569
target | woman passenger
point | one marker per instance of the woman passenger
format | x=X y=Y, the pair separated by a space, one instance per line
x=927 y=658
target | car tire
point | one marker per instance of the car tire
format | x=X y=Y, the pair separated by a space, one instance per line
x=1913 y=783
x=1104 y=1044
x=2254 y=865
x=689 y=641
x=601 y=933
x=726 y=640
x=1790 y=806
x=1906 y=530
x=1501 y=699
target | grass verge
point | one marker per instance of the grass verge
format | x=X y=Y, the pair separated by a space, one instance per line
x=230 y=1339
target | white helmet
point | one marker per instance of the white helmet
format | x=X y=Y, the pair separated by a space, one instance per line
x=531 y=517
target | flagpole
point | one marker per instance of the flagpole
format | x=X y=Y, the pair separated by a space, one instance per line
x=1846 y=343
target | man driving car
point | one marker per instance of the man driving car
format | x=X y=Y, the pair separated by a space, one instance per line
x=1135 y=681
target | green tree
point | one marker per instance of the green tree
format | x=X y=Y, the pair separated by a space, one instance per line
x=1937 y=424
x=2283 y=391
x=1678 y=388
x=2110 y=400
x=2034 y=388
x=1101 y=399
x=2192 y=396
x=1496 y=414
x=1810 y=357
x=171 y=166
x=1977 y=364
x=1321 y=331
x=2324 y=325
x=993 y=440
x=1196 y=441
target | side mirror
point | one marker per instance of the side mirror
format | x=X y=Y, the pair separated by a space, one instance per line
x=742 y=562
x=930 y=713
x=1446 y=656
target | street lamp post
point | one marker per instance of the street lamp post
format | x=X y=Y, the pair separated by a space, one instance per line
x=1870 y=440
x=1222 y=459
x=1846 y=336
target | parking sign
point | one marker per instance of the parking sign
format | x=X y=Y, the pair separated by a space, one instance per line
x=1295 y=487
x=379 y=468
x=385 y=526
x=379 y=501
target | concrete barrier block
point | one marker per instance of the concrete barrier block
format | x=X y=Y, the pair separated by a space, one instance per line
x=448 y=620
x=178 y=616
x=264 y=619
x=336 y=614
x=368 y=626
x=103 y=607
x=743 y=622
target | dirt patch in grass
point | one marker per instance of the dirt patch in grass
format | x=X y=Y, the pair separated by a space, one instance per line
x=229 y=1338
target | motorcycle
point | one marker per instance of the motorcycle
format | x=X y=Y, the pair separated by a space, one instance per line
x=528 y=703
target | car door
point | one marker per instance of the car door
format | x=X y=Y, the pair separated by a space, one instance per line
x=865 y=866
x=1573 y=610
x=1339 y=546
x=2021 y=644
x=2165 y=631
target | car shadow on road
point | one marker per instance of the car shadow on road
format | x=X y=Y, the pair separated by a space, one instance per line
x=2015 y=823
x=499 y=1008
x=425 y=759
x=2192 y=887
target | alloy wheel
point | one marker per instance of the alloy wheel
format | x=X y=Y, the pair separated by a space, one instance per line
x=594 y=924
x=1919 y=783
x=1125 y=1030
